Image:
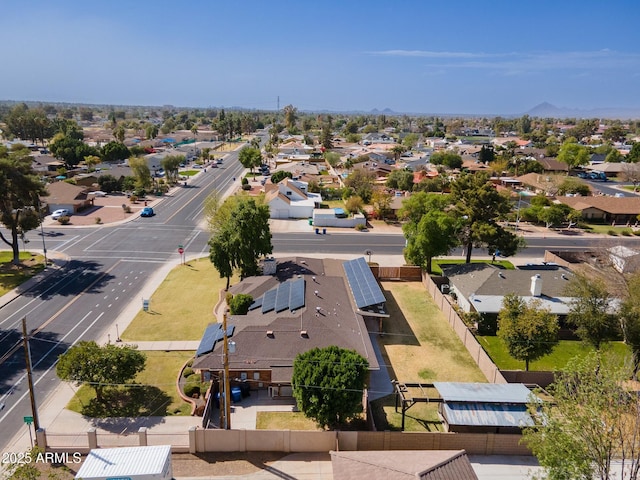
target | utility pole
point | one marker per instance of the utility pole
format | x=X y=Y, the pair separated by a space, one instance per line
x=27 y=355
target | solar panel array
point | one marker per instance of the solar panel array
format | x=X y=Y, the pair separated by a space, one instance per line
x=287 y=295
x=363 y=284
x=256 y=303
x=269 y=300
x=282 y=296
x=296 y=297
x=212 y=334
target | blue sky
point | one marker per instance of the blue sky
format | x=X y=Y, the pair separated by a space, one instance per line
x=492 y=57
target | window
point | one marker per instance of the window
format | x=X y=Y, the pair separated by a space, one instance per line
x=256 y=375
x=243 y=375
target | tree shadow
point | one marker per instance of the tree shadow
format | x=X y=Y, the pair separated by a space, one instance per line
x=131 y=401
x=13 y=365
x=83 y=276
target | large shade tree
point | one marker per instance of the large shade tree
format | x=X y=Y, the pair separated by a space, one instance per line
x=429 y=230
x=100 y=366
x=20 y=198
x=328 y=384
x=529 y=331
x=250 y=157
x=477 y=207
x=241 y=235
x=592 y=311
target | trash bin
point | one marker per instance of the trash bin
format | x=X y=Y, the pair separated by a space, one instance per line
x=236 y=394
x=317 y=231
x=311 y=221
x=324 y=231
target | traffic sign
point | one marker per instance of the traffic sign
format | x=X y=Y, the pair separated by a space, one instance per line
x=28 y=420
x=180 y=250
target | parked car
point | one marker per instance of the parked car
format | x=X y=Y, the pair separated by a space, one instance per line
x=61 y=212
x=147 y=212
x=98 y=193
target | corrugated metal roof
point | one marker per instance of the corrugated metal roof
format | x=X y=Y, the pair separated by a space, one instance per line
x=487 y=414
x=483 y=392
x=127 y=462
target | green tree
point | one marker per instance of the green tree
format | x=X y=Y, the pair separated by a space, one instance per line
x=573 y=155
x=354 y=204
x=250 y=157
x=486 y=154
x=91 y=161
x=141 y=172
x=432 y=236
x=290 y=116
x=114 y=152
x=119 y=132
x=240 y=303
x=241 y=235
x=362 y=182
x=332 y=158
x=447 y=158
x=328 y=383
x=529 y=331
x=398 y=150
x=400 y=179
x=108 y=183
x=151 y=131
x=326 y=137
x=634 y=154
x=381 y=202
x=477 y=206
x=100 y=366
x=280 y=175
x=70 y=149
x=594 y=419
x=171 y=165
x=410 y=140
x=19 y=201
x=592 y=311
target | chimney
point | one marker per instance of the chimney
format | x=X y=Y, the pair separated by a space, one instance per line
x=536 y=285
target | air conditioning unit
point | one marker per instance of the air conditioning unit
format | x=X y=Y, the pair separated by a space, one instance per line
x=445 y=288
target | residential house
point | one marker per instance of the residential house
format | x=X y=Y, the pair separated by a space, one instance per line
x=480 y=288
x=402 y=465
x=299 y=304
x=371 y=138
x=612 y=210
x=290 y=199
x=65 y=195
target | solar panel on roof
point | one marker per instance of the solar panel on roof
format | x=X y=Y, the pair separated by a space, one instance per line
x=209 y=339
x=269 y=300
x=296 y=294
x=282 y=296
x=256 y=303
x=364 y=286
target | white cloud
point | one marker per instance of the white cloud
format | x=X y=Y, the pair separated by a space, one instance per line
x=526 y=62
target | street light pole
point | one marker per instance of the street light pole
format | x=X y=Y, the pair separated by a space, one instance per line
x=27 y=354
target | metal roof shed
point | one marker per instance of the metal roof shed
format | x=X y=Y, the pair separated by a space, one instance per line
x=483 y=392
x=133 y=463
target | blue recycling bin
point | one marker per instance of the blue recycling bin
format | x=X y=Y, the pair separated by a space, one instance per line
x=317 y=231
x=236 y=394
x=324 y=231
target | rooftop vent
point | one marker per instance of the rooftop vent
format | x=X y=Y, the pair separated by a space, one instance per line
x=270 y=334
x=304 y=334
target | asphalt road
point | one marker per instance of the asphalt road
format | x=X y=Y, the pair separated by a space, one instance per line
x=110 y=264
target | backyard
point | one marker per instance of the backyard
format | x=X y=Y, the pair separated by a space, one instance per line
x=418 y=346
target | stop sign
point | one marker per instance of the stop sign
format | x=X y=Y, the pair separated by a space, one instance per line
x=180 y=250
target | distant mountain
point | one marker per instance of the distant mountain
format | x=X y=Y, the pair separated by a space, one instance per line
x=547 y=110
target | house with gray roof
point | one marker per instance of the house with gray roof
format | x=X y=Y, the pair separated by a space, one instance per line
x=302 y=303
x=480 y=288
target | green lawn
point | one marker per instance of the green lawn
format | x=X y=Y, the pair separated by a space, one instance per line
x=11 y=276
x=332 y=204
x=284 y=421
x=155 y=395
x=609 y=230
x=182 y=307
x=188 y=173
x=557 y=360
